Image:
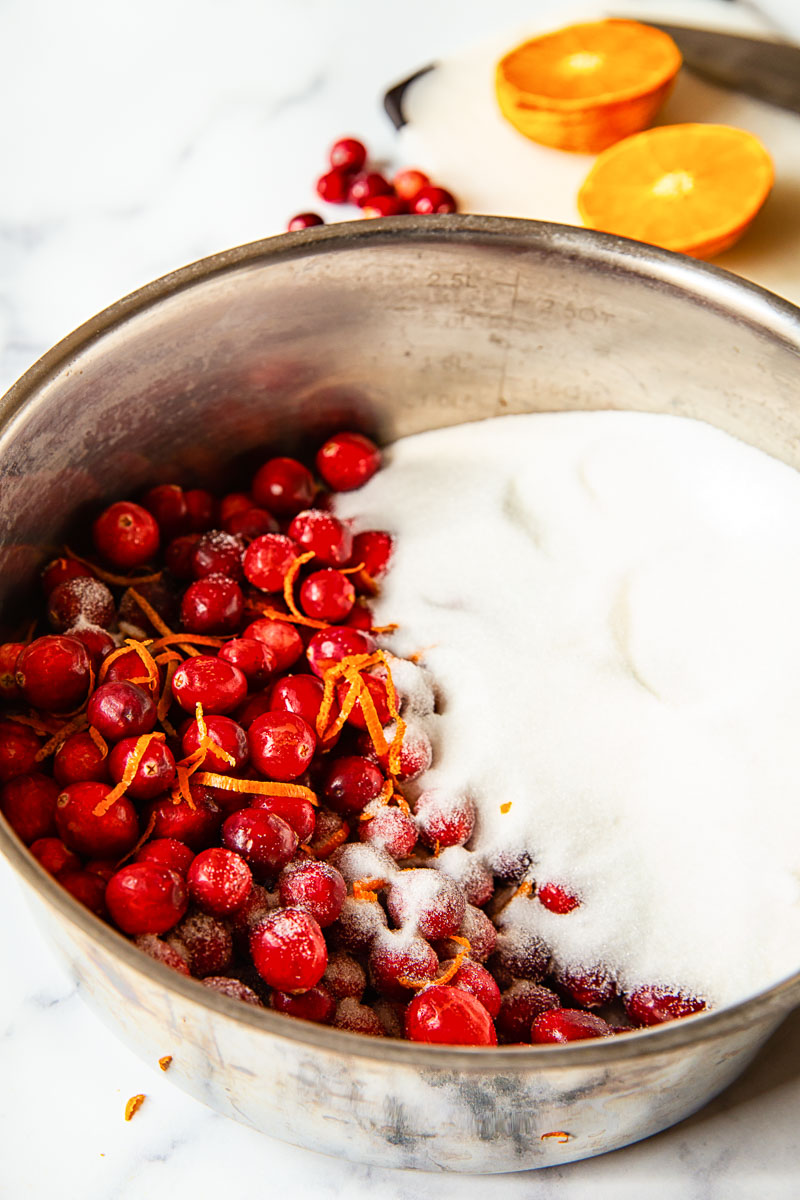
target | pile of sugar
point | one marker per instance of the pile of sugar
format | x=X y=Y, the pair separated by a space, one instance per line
x=608 y=607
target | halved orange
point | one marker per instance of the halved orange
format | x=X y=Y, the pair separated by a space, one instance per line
x=586 y=86
x=693 y=188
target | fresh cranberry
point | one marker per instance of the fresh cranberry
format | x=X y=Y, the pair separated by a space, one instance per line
x=316 y=887
x=377 y=691
x=366 y=186
x=305 y=220
x=654 y=1005
x=344 y=976
x=568 y=1025
x=320 y=531
x=253 y=658
x=372 y=549
x=146 y=897
x=519 y=1005
x=19 y=745
x=348 y=154
x=232 y=503
x=556 y=898
x=519 y=954
x=330 y=646
x=167 y=504
x=104 y=867
x=216 y=684
x=297 y=813
x=327 y=596
x=263 y=839
x=449 y=1016
x=267 y=560
x=214 y=604
x=300 y=694
x=348 y=460
x=255 y=704
x=351 y=783
x=219 y=880
x=154 y=774
x=79 y=759
x=196 y=826
x=443 y=819
x=317 y=1004
x=53 y=673
x=109 y=835
x=383 y=206
x=60 y=569
x=128 y=667
x=259 y=904
x=89 y=889
x=251 y=524
x=28 y=803
x=434 y=903
x=178 y=555
x=227 y=735
x=167 y=851
x=225 y=985
x=288 y=949
x=587 y=988
x=334 y=186
x=280 y=637
x=97 y=642
x=479 y=932
x=390 y=830
x=433 y=200
x=409 y=183
x=361 y=616
x=84 y=600
x=200 y=509
x=281 y=745
x=283 y=486
x=357 y=1018
x=121 y=710
x=205 y=942
x=9 y=653
x=161 y=952
x=54 y=855
x=360 y=924
x=217 y=553
x=472 y=977
x=126 y=535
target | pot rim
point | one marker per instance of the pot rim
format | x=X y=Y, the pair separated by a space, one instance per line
x=706 y=284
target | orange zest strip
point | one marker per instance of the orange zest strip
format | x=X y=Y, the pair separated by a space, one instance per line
x=156 y=621
x=39 y=725
x=140 y=648
x=367 y=889
x=390 y=628
x=331 y=676
x=524 y=889
x=131 y=767
x=274 y=614
x=374 y=727
x=133 y=1105
x=194 y=639
x=108 y=576
x=182 y=791
x=149 y=827
x=165 y=1062
x=505 y=808
x=288 y=590
x=350 y=570
x=99 y=740
x=366 y=583
x=63 y=733
x=259 y=787
x=450 y=970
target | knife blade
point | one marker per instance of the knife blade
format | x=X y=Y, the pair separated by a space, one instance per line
x=767 y=70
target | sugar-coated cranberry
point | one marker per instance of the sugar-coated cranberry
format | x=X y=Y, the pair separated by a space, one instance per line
x=568 y=1025
x=219 y=880
x=372 y=549
x=348 y=460
x=519 y=1005
x=79 y=759
x=167 y=504
x=556 y=898
x=154 y=774
x=334 y=186
x=89 y=889
x=107 y=835
x=416 y=752
x=360 y=923
x=121 y=710
x=348 y=154
x=344 y=976
x=444 y=819
x=654 y=1005
x=280 y=637
x=19 y=745
x=376 y=689
x=297 y=813
x=304 y=220
x=316 y=887
x=227 y=735
x=252 y=523
x=98 y=642
x=59 y=569
x=167 y=851
x=317 y=1004
x=409 y=182
x=474 y=978
x=283 y=486
x=161 y=952
x=263 y=839
x=84 y=600
x=434 y=903
x=267 y=560
x=146 y=897
x=433 y=200
x=330 y=646
x=226 y=985
x=9 y=653
x=327 y=595
x=300 y=694
x=289 y=951
x=53 y=673
x=366 y=186
x=205 y=942
x=449 y=1016
x=281 y=745
x=178 y=555
x=218 y=685
x=200 y=509
x=351 y=782
x=126 y=535
x=390 y=830
x=397 y=962
x=468 y=871
x=519 y=954
x=28 y=802
x=54 y=855
x=214 y=604
x=383 y=206
x=330 y=831
x=587 y=988
x=357 y=1018
x=217 y=553
x=320 y=531
x=196 y=826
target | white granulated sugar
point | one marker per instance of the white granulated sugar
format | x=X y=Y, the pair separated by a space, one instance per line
x=607 y=605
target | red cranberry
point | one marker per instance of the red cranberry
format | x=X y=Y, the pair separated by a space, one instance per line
x=259 y=904
x=85 y=600
x=344 y=976
x=366 y=186
x=217 y=553
x=433 y=200
x=409 y=183
x=89 y=889
x=129 y=667
x=126 y=535
x=109 y=835
x=98 y=642
x=178 y=555
x=479 y=932
x=167 y=851
x=443 y=819
x=555 y=898
x=79 y=760
x=19 y=746
x=297 y=813
x=167 y=504
x=519 y=1005
x=9 y=653
x=228 y=736
x=234 y=988
x=255 y=704
x=357 y=1018
x=304 y=220
x=316 y=887
x=654 y=1005
x=104 y=867
x=200 y=509
x=449 y=1016
x=28 y=803
x=146 y=897
x=416 y=752
x=317 y=1004
x=468 y=871
x=334 y=186
x=53 y=673
x=348 y=460
x=281 y=638
x=219 y=881
x=390 y=830
x=472 y=977
x=205 y=942
x=216 y=684
x=288 y=949
x=268 y=559
x=281 y=745
x=283 y=486
x=54 y=855
x=161 y=952
x=383 y=206
x=348 y=154
x=361 y=616
x=587 y=988
x=330 y=646
x=263 y=839
x=317 y=530
x=372 y=548
x=197 y=826
x=154 y=774
x=351 y=783
x=234 y=502
x=327 y=596
x=251 y=524
x=59 y=569
x=121 y=710
x=519 y=954
x=300 y=694
x=568 y=1025
x=433 y=901
x=214 y=604
x=360 y=923
x=377 y=690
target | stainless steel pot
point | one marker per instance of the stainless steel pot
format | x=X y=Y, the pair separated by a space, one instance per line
x=395 y=326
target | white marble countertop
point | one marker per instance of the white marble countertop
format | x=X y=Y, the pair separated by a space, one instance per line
x=136 y=138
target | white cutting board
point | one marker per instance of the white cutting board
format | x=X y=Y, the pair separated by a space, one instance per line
x=455 y=133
